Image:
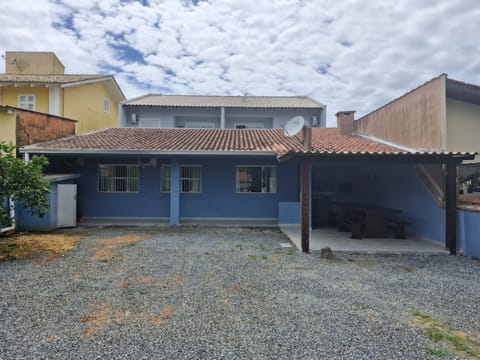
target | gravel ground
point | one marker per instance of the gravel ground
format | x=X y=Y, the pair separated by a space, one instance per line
x=218 y=293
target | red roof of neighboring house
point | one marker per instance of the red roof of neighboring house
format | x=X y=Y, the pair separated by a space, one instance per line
x=273 y=141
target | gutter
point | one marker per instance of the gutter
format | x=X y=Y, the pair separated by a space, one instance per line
x=27 y=150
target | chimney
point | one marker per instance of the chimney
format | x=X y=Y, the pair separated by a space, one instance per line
x=345 y=123
x=307 y=138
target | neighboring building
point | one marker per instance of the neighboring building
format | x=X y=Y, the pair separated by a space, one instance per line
x=36 y=81
x=224 y=112
x=442 y=114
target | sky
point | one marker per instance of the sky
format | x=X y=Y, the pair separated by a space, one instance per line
x=347 y=54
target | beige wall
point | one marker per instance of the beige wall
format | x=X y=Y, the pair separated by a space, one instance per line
x=463 y=126
x=25 y=62
x=416 y=119
x=8 y=125
x=85 y=104
x=9 y=96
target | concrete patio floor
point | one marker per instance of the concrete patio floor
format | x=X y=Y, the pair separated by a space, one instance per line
x=340 y=241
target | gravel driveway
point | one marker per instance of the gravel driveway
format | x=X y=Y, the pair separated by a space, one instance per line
x=218 y=293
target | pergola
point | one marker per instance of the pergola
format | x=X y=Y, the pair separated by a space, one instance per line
x=450 y=161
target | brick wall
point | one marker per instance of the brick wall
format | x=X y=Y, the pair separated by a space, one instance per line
x=34 y=127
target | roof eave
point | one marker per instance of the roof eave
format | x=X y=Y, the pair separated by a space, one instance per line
x=31 y=149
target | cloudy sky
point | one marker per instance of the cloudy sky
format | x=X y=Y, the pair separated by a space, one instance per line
x=348 y=54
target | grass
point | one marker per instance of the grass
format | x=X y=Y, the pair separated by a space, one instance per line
x=438 y=352
x=442 y=333
x=258 y=257
x=22 y=245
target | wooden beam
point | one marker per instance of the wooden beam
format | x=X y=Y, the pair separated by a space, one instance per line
x=305 y=204
x=451 y=206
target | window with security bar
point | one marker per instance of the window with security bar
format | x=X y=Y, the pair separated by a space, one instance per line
x=256 y=179
x=118 y=178
x=190 y=178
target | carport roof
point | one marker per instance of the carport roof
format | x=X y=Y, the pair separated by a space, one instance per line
x=215 y=141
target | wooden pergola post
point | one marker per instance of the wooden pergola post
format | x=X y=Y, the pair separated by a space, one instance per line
x=305 y=204
x=451 y=206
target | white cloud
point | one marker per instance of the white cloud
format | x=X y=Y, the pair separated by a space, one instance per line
x=348 y=54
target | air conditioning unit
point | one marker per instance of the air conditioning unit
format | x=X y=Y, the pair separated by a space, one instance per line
x=134 y=118
x=153 y=162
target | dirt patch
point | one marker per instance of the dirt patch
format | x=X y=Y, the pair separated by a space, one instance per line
x=168 y=281
x=102 y=315
x=108 y=246
x=21 y=245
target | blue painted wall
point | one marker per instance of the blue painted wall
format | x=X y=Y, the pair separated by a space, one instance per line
x=218 y=197
x=148 y=202
x=28 y=222
x=469 y=232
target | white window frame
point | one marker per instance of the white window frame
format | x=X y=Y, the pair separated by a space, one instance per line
x=24 y=104
x=106 y=105
x=114 y=184
x=200 y=125
x=249 y=125
x=271 y=185
x=166 y=175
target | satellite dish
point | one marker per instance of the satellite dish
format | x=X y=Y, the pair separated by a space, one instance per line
x=294 y=125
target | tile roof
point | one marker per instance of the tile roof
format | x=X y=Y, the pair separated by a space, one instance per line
x=134 y=140
x=51 y=79
x=267 y=102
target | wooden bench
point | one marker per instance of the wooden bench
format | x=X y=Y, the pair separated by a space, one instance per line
x=350 y=222
x=398 y=225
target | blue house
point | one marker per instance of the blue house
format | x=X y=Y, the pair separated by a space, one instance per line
x=219 y=112
x=248 y=177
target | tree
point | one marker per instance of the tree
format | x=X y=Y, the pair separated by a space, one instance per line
x=23 y=182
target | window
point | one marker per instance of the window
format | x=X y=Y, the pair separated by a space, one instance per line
x=200 y=125
x=118 y=178
x=106 y=105
x=249 y=126
x=165 y=178
x=261 y=179
x=190 y=178
x=26 y=102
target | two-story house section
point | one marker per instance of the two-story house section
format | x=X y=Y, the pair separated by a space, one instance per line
x=224 y=112
x=36 y=81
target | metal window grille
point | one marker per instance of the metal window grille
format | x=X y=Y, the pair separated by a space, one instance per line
x=262 y=179
x=118 y=178
x=190 y=179
x=165 y=178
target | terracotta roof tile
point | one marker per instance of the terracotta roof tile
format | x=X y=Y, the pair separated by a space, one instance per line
x=207 y=140
x=51 y=79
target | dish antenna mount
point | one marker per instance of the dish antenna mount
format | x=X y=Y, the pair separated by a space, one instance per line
x=294 y=125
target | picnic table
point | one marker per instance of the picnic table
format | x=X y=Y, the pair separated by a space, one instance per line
x=370 y=219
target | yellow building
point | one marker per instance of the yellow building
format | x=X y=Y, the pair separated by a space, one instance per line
x=37 y=81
